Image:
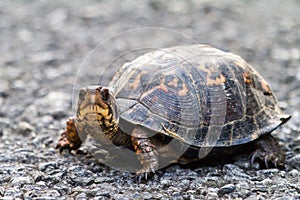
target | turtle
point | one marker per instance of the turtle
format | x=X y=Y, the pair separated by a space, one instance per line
x=187 y=103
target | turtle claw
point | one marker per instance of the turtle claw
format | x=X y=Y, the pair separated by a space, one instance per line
x=153 y=170
x=267 y=159
x=63 y=143
x=146 y=153
x=268 y=153
x=252 y=159
x=275 y=163
x=144 y=173
x=139 y=177
x=69 y=139
x=266 y=162
x=142 y=176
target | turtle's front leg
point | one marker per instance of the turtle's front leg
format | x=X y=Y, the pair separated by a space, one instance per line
x=146 y=153
x=69 y=138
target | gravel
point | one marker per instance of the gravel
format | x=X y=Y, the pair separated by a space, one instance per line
x=43 y=46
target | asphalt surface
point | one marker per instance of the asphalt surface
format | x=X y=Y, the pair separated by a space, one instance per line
x=43 y=45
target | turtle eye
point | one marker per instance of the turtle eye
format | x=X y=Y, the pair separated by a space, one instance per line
x=82 y=94
x=105 y=94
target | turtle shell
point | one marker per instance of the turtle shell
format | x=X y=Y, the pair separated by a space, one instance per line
x=198 y=94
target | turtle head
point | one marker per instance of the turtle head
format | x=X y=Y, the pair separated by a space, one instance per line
x=97 y=110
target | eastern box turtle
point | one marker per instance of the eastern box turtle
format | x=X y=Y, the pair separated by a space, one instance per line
x=210 y=102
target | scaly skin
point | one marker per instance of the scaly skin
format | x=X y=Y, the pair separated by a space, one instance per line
x=95 y=111
x=145 y=151
x=69 y=138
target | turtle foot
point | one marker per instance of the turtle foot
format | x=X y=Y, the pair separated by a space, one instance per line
x=146 y=153
x=144 y=173
x=268 y=153
x=69 y=139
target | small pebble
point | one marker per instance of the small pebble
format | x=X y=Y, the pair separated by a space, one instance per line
x=267 y=182
x=226 y=189
x=19 y=180
x=259 y=188
x=295 y=161
x=25 y=128
x=294 y=173
x=46 y=165
x=211 y=196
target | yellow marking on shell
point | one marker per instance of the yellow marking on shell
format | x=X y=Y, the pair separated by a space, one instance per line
x=184 y=90
x=203 y=68
x=218 y=81
x=161 y=87
x=247 y=78
x=136 y=83
x=173 y=83
x=172 y=134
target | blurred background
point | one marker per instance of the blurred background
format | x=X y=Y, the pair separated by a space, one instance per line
x=43 y=45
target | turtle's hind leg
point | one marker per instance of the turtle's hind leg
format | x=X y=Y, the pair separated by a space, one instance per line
x=268 y=152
